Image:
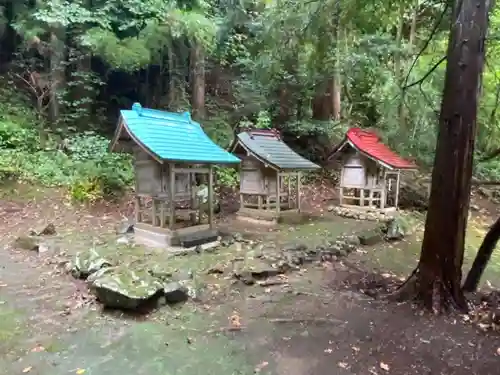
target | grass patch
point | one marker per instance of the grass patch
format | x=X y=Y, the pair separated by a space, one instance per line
x=401 y=257
x=11 y=329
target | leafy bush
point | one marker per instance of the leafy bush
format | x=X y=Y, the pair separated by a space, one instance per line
x=86 y=167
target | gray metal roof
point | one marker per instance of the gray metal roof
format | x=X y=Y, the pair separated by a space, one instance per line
x=267 y=146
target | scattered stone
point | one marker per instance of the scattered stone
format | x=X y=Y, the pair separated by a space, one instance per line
x=123 y=241
x=175 y=292
x=86 y=263
x=371 y=237
x=271 y=281
x=371 y=215
x=43 y=248
x=258 y=268
x=30 y=243
x=397 y=229
x=295 y=247
x=123 y=288
x=49 y=230
x=238 y=237
x=126 y=226
x=219 y=268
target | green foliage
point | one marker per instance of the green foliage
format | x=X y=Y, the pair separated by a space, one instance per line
x=84 y=164
x=228 y=177
x=267 y=65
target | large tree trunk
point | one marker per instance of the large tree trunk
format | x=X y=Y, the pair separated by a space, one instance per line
x=198 y=81
x=436 y=281
x=482 y=258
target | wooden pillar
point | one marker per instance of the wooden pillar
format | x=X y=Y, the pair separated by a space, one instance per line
x=383 y=193
x=396 y=200
x=298 y=191
x=278 y=197
x=154 y=212
x=171 y=196
x=192 y=193
x=137 y=209
x=211 y=196
x=289 y=176
x=242 y=201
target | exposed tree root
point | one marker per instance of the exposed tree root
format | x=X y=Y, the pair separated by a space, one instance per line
x=435 y=296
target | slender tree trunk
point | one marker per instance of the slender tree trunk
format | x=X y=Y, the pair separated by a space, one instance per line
x=57 y=73
x=413 y=26
x=436 y=281
x=172 y=77
x=198 y=81
x=321 y=104
x=336 y=87
x=482 y=258
x=399 y=42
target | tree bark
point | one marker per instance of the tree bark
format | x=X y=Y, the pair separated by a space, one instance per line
x=198 y=81
x=436 y=281
x=482 y=258
x=57 y=72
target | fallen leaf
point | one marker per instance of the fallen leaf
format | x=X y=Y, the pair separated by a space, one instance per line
x=342 y=364
x=498 y=351
x=329 y=350
x=384 y=366
x=355 y=348
x=80 y=371
x=27 y=369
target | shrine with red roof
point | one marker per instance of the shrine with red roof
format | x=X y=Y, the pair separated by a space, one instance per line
x=370 y=171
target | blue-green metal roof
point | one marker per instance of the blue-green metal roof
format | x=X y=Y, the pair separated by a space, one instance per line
x=268 y=147
x=172 y=136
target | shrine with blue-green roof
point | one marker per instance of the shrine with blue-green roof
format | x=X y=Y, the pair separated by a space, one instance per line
x=174 y=176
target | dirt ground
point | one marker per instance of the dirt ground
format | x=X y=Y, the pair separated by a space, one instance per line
x=316 y=323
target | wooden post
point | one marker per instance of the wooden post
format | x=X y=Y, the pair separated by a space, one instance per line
x=278 y=197
x=154 y=211
x=370 y=198
x=289 y=191
x=361 y=197
x=298 y=191
x=137 y=209
x=259 y=202
x=192 y=193
x=211 y=196
x=171 y=197
x=242 y=201
x=383 y=193
x=396 y=200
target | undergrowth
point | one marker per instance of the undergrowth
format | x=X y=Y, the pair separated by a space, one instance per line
x=80 y=162
x=32 y=152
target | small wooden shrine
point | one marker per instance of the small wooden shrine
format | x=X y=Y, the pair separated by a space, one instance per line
x=270 y=175
x=172 y=156
x=370 y=171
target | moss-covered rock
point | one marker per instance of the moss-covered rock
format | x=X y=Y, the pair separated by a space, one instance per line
x=124 y=288
x=86 y=263
x=397 y=228
x=371 y=237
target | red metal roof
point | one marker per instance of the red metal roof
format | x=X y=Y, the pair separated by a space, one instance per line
x=369 y=143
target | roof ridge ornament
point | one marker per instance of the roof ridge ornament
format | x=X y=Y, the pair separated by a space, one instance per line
x=137 y=107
